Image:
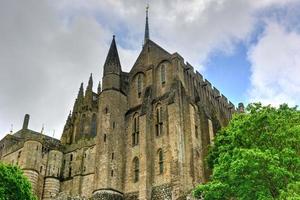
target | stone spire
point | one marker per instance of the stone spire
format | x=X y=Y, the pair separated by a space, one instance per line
x=99 y=88
x=112 y=63
x=69 y=120
x=79 y=99
x=90 y=84
x=80 y=93
x=88 y=99
x=147 y=35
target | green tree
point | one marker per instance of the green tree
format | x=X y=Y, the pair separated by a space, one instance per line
x=257 y=156
x=13 y=184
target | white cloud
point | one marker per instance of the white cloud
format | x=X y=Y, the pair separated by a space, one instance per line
x=275 y=61
x=48 y=47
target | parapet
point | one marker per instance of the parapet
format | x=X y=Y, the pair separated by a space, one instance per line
x=208 y=83
x=199 y=76
x=216 y=93
x=189 y=66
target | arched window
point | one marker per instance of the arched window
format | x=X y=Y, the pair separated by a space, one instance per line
x=139 y=85
x=196 y=131
x=159 y=121
x=163 y=74
x=94 y=125
x=70 y=171
x=19 y=154
x=160 y=161
x=136 y=169
x=135 y=130
x=82 y=122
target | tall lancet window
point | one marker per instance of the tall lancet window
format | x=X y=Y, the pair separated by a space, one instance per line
x=82 y=124
x=160 y=161
x=135 y=130
x=159 y=121
x=139 y=85
x=136 y=169
x=163 y=74
x=94 y=125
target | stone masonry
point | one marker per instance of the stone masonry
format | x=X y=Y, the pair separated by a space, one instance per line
x=143 y=135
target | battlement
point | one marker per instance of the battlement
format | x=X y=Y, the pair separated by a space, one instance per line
x=212 y=93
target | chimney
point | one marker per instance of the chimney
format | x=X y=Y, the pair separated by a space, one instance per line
x=26 y=121
x=241 y=108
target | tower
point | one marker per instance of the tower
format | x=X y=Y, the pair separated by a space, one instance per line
x=110 y=145
x=112 y=68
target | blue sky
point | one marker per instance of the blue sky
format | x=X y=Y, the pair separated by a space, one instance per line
x=249 y=50
x=230 y=73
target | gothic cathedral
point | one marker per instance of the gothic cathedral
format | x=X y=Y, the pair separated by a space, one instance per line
x=143 y=135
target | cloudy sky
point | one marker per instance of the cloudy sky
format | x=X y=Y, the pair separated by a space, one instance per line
x=249 y=50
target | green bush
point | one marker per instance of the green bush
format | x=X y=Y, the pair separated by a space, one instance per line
x=13 y=184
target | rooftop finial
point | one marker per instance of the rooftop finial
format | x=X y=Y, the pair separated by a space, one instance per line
x=147 y=35
x=43 y=127
x=11 y=128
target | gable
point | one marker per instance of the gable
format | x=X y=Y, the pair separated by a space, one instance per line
x=151 y=54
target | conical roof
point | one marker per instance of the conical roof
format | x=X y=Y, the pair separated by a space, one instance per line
x=112 y=63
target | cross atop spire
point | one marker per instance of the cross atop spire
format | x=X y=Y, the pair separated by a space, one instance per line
x=147 y=35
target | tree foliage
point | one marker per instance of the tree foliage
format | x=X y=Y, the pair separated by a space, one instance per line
x=257 y=156
x=13 y=184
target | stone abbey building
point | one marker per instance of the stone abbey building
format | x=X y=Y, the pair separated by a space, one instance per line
x=143 y=135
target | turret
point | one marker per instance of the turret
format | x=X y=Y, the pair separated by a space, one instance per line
x=112 y=68
x=112 y=106
x=52 y=177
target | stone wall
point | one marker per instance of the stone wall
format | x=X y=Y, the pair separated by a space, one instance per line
x=107 y=195
x=131 y=196
x=162 y=192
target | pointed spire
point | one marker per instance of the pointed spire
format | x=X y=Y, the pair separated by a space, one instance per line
x=80 y=93
x=99 y=87
x=112 y=63
x=79 y=99
x=147 y=35
x=91 y=81
x=68 y=121
x=89 y=87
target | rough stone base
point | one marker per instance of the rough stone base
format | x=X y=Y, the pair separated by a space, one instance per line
x=162 y=192
x=107 y=195
x=63 y=196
